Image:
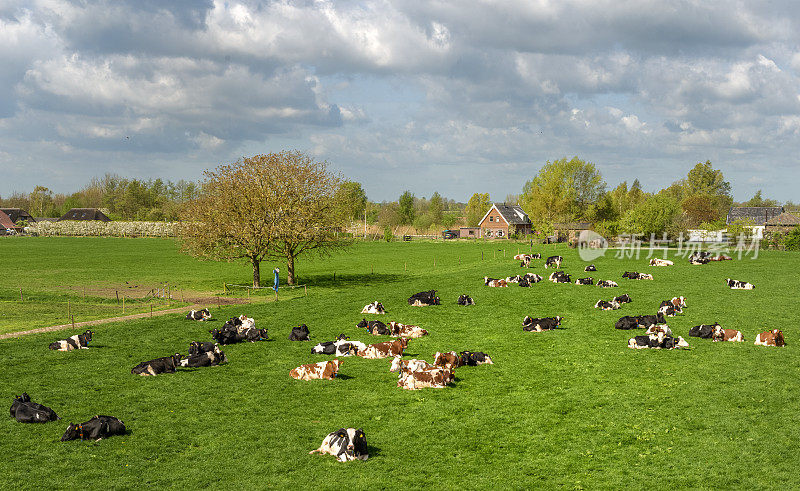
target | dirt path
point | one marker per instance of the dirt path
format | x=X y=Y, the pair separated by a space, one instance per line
x=99 y=321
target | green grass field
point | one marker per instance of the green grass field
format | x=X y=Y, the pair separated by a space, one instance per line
x=572 y=408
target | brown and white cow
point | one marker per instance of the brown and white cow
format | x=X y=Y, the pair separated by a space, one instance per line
x=660 y=262
x=325 y=370
x=449 y=360
x=384 y=350
x=406 y=330
x=721 y=334
x=496 y=283
x=433 y=378
x=414 y=365
x=720 y=257
x=770 y=338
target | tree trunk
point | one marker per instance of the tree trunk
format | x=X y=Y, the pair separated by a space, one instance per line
x=256 y=272
x=289 y=268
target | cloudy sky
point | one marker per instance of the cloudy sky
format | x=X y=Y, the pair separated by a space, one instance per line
x=450 y=96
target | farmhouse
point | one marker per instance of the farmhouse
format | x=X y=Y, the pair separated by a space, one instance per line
x=785 y=222
x=7 y=224
x=758 y=215
x=17 y=214
x=85 y=214
x=503 y=220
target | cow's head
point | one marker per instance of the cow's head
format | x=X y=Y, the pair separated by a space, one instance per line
x=74 y=431
x=177 y=358
x=778 y=337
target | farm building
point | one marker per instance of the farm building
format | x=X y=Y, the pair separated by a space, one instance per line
x=759 y=215
x=17 y=214
x=503 y=220
x=7 y=223
x=570 y=231
x=469 y=232
x=85 y=214
x=785 y=222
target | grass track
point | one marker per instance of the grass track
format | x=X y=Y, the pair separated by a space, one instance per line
x=572 y=408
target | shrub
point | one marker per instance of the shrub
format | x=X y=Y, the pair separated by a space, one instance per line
x=387 y=234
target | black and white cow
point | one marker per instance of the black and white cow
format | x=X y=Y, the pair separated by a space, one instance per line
x=465 y=300
x=205 y=359
x=627 y=322
x=423 y=299
x=345 y=444
x=633 y=275
x=341 y=347
x=739 y=285
x=26 y=411
x=158 y=366
x=231 y=333
x=199 y=315
x=529 y=279
x=590 y=267
x=554 y=261
x=197 y=347
x=375 y=327
x=299 y=333
x=705 y=331
x=585 y=281
x=657 y=341
x=624 y=298
x=660 y=328
x=646 y=321
x=78 y=341
x=700 y=257
x=607 y=284
x=560 y=277
x=606 y=305
x=97 y=428
x=373 y=308
x=541 y=324
x=474 y=358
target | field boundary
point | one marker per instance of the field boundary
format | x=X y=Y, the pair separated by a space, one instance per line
x=96 y=322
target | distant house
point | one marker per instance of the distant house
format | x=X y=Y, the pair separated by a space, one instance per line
x=759 y=215
x=7 y=224
x=569 y=231
x=84 y=214
x=503 y=220
x=17 y=214
x=785 y=222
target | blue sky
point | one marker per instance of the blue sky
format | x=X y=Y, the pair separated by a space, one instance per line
x=454 y=97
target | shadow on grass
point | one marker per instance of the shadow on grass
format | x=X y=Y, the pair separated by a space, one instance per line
x=344 y=279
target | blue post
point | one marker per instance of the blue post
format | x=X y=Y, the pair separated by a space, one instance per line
x=277 y=279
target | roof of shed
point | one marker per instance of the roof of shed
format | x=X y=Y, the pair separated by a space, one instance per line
x=758 y=214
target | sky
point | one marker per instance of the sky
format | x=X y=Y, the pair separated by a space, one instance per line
x=450 y=96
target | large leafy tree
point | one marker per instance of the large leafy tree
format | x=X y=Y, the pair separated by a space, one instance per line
x=436 y=208
x=406 y=208
x=278 y=205
x=353 y=198
x=477 y=206
x=656 y=215
x=562 y=190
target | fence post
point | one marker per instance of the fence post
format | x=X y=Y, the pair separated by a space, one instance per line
x=69 y=309
x=305 y=289
x=248 y=296
x=20 y=296
x=123 y=304
x=151 y=309
x=117 y=293
x=73 y=322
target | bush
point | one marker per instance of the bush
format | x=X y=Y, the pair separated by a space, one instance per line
x=387 y=234
x=792 y=240
x=103 y=229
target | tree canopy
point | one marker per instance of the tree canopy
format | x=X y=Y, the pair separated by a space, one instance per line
x=562 y=190
x=477 y=206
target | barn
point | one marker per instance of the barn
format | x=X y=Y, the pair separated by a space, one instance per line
x=758 y=215
x=7 y=224
x=503 y=220
x=783 y=223
x=17 y=214
x=85 y=214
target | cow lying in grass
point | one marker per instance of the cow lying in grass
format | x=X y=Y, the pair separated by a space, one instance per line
x=465 y=300
x=720 y=257
x=669 y=310
x=431 y=378
x=624 y=298
x=199 y=315
x=560 y=277
x=529 y=279
x=590 y=267
x=657 y=341
x=585 y=281
x=341 y=347
x=659 y=328
x=397 y=329
x=345 y=444
x=540 y=324
x=698 y=258
x=413 y=365
x=375 y=327
x=26 y=411
x=633 y=275
x=299 y=333
x=374 y=308
x=78 y=341
x=639 y=321
x=423 y=299
x=231 y=333
x=607 y=284
x=661 y=262
x=97 y=428
x=384 y=350
x=606 y=305
x=739 y=285
x=449 y=360
x=158 y=366
x=198 y=347
x=495 y=282
x=678 y=302
x=474 y=358
x=721 y=334
x=770 y=338
x=205 y=359
x=325 y=370
x=705 y=331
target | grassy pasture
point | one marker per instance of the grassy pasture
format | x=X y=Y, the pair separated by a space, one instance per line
x=572 y=408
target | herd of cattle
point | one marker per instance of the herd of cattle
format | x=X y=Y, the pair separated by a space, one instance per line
x=413 y=374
